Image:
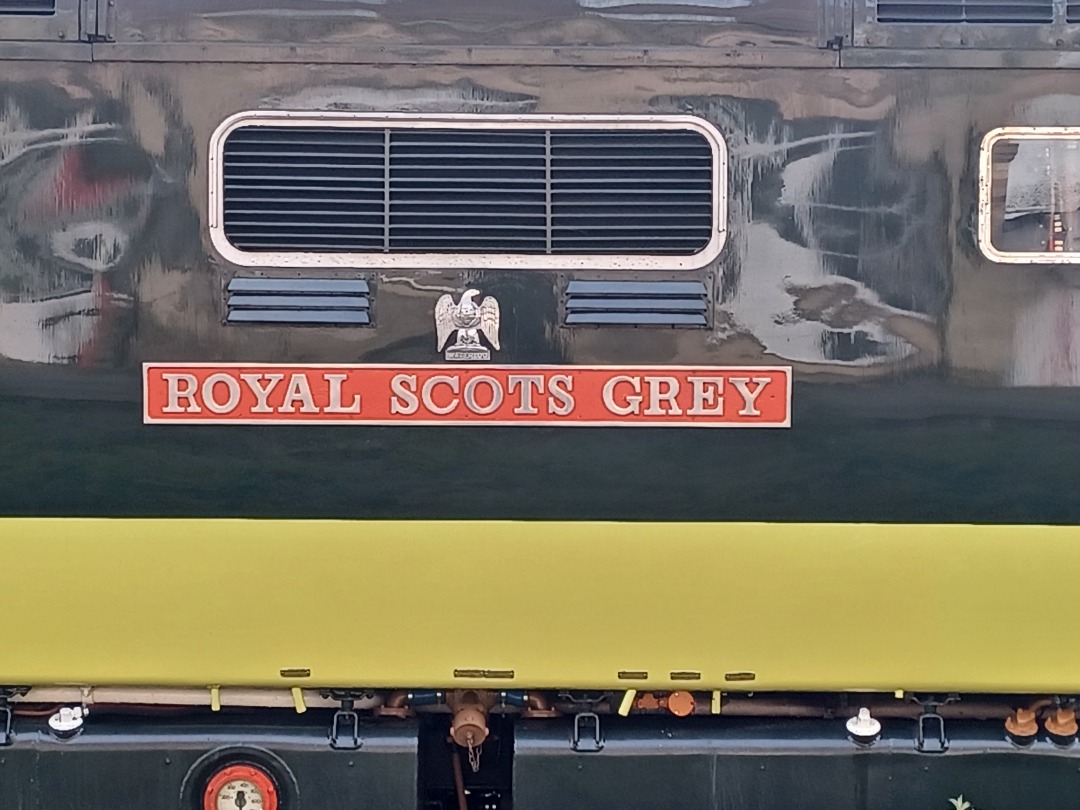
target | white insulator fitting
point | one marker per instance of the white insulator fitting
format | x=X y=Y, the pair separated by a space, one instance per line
x=864 y=727
x=68 y=720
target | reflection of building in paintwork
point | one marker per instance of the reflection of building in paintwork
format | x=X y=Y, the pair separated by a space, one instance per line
x=478 y=23
x=461 y=96
x=817 y=270
x=1046 y=338
x=682 y=11
x=1035 y=196
x=83 y=193
x=80 y=199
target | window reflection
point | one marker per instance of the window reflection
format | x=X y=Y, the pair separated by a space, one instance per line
x=1035 y=195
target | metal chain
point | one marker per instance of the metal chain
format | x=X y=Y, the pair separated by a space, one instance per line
x=474 y=753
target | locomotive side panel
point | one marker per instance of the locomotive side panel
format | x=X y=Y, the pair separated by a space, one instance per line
x=931 y=384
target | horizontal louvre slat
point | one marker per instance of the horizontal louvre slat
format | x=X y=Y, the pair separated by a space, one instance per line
x=622 y=289
x=28 y=7
x=635 y=319
x=636 y=303
x=340 y=189
x=311 y=286
x=300 y=317
x=1035 y=12
x=1072 y=12
x=368 y=223
x=310 y=246
x=297 y=302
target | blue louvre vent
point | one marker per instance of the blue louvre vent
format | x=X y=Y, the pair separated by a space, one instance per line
x=1034 y=12
x=636 y=303
x=300 y=301
x=28 y=7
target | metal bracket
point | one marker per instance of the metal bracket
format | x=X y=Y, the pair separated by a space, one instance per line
x=6 y=721
x=345 y=730
x=94 y=14
x=936 y=743
x=592 y=743
x=345 y=727
x=7 y=716
x=835 y=24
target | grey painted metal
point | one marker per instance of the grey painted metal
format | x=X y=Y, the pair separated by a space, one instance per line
x=22 y=21
x=835 y=26
x=301 y=317
x=649 y=289
x=297 y=302
x=55 y=51
x=635 y=319
x=743 y=54
x=308 y=286
x=779 y=24
x=634 y=304
x=957 y=58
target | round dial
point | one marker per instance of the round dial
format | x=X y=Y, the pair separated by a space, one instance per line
x=240 y=787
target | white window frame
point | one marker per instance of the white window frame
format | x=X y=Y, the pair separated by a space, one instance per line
x=510 y=261
x=985 y=239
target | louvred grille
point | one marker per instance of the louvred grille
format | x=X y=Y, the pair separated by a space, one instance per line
x=1036 y=12
x=299 y=301
x=35 y=7
x=636 y=303
x=498 y=190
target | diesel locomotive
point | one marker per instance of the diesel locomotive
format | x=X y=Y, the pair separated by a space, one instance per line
x=566 y=403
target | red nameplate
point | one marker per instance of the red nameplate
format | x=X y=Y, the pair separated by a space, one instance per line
x=668 y=396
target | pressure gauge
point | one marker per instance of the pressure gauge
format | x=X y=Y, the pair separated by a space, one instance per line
x=240 y=787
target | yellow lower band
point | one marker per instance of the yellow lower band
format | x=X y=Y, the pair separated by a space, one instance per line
x=539 y=605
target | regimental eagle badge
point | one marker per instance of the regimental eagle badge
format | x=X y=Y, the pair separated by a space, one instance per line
x=469 y=320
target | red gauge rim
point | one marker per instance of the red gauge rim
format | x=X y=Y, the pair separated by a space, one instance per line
x=249 y=773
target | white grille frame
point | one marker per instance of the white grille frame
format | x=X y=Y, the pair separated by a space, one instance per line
x=427 y=261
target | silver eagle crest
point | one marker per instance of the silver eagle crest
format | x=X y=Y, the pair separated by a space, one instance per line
x=469 y=320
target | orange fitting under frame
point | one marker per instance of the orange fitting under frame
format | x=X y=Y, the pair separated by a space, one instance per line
x=680 y=704
x=1062 y=722
x=470 y=707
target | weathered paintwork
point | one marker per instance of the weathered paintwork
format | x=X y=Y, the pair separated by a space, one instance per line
x=378 y=23
x=931 y=384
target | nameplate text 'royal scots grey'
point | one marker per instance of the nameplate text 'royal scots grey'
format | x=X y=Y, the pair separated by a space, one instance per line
x=671 y=396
